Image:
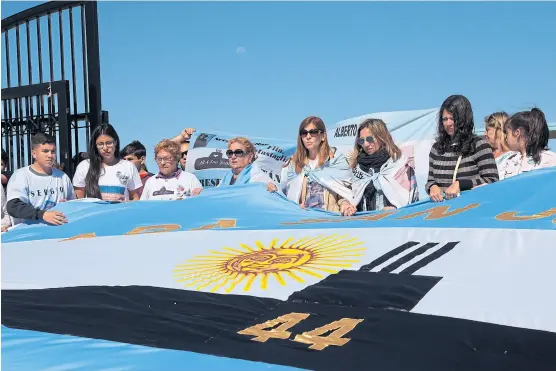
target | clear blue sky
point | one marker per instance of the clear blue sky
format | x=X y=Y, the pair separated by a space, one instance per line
x=169 y=65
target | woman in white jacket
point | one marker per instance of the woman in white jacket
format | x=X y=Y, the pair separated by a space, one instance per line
x=383 y=177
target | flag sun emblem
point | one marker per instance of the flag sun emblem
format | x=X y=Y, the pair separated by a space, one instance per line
x=246 y=266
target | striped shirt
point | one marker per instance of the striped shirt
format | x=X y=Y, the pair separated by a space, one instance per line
x=475 y=169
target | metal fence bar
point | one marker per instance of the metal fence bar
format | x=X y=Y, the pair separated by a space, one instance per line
x=18 y=55
x=73 y=82
x=8 y=75
x=39 y=48
x=93 y=63
x=62 y=59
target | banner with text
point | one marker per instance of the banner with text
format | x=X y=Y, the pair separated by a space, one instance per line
x=207 y=156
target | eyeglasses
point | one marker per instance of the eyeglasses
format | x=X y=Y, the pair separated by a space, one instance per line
x=444 y=119
x=110 y=143
x=160 y=160
x=237 y=152
x=369 y=139
x=184 y=153
x=312 y=132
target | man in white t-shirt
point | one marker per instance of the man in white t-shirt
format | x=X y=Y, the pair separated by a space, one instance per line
x=33 y=190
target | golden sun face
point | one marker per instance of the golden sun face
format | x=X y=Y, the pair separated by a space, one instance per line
x=234 y=268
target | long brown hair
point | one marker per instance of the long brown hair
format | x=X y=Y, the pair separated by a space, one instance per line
x=497 y=121
x=302 y=154
x=380 y=132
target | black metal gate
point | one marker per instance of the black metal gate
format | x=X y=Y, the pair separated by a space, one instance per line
x=51 y=81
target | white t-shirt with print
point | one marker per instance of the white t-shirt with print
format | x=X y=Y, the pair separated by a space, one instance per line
x=515 y=164
x=314 y=198
x=115 y=181
x=42 y=191
x=175 y=188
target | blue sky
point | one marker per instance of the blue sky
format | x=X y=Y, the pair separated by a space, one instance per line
x=169 y=65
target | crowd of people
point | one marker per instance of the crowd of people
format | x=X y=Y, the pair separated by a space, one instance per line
x=375 y=176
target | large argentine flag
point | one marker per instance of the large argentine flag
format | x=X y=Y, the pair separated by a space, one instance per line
x=241 y=279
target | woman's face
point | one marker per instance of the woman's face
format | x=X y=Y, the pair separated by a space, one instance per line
x=312 y=137
x=490 y=136
x=238 y=156
x=513 y=138
x=167 y=163
x=106 y=147
x=448 y=122
x=368 y=141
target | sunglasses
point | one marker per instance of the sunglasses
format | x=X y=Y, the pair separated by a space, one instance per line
x=311 y=132
x=237 y=152
x=369 y=139
x=184 y=153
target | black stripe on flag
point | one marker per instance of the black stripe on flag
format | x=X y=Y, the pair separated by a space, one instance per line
x=330 y=327
x=430 y=258
x=408 y=257
x=418 y=264
x=368 y=290
x=389 y=255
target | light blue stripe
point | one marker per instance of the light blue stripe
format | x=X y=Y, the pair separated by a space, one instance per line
x=32 y=351
x=112 y=189
x=254 y=208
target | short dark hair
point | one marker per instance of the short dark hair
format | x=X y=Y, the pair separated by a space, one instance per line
x=42 y=138
x=4 y=157
x=135 y=148
x=78 y=158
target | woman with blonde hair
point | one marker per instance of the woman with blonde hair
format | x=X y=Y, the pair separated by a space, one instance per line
x=171 y=182
x=383 y=177
x=241 y=155
x=494 y=135
x=316 y=177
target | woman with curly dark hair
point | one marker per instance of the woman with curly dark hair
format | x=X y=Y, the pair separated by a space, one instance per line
x=459 y=160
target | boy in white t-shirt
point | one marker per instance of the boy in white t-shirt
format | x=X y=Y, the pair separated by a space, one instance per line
x=33 y=190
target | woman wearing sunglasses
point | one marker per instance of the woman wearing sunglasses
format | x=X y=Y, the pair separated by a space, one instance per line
x=104 y=175
x=171 y=182
x=383 y=177
x=315 y=177
x=241 y=155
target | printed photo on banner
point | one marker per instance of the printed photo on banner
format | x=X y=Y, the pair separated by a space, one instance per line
x=208 y=161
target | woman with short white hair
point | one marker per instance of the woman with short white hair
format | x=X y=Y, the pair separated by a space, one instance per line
x=241 y=156
x=171 y=182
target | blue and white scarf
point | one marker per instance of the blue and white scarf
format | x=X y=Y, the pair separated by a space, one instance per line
x=334 y=175
x=390 y=182
x=242 y=178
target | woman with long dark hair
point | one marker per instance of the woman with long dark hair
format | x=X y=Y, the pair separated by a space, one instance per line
x=316 y=177
x=104 y=175
x=459 y=160
x=527 y=134
x=384 y=177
